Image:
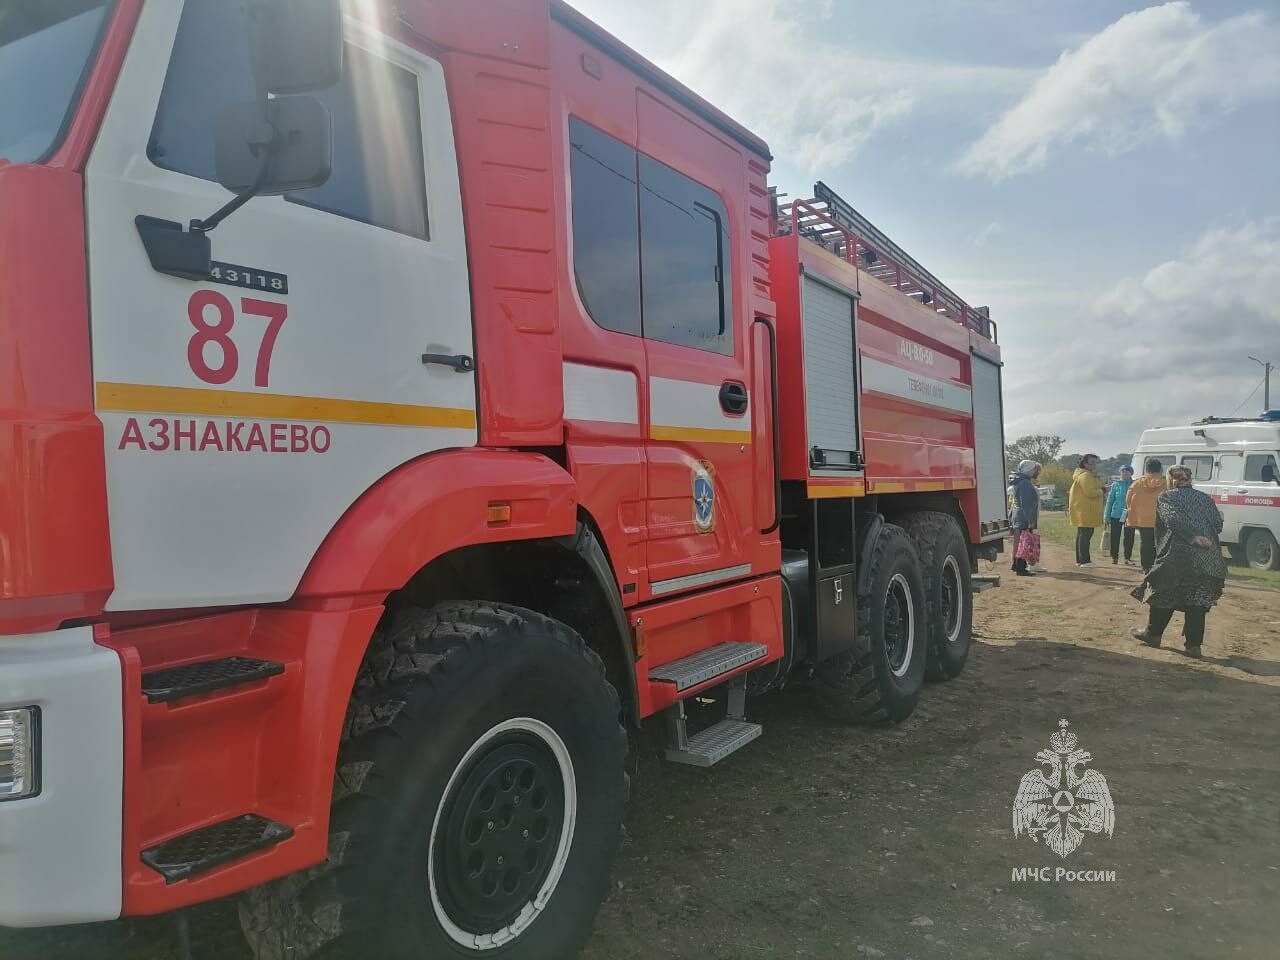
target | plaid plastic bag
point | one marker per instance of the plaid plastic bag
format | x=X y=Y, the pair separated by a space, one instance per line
x=1028 y=547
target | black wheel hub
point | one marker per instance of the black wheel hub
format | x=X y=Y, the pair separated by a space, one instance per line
x=897 y=624
x=950 y=602
x=499 y=833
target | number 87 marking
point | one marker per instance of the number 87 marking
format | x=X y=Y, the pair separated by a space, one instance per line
x=220 y=334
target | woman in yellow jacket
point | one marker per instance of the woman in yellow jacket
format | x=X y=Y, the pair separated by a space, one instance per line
x=1084 y=508
x=1140 y=508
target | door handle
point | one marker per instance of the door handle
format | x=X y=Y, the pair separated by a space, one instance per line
x=459 y=362
x=733 y=397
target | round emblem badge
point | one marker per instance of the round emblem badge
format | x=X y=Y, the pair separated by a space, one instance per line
x=704 y=499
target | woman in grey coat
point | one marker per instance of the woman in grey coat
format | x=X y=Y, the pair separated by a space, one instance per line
x=1189 y=571
x=1026 y=510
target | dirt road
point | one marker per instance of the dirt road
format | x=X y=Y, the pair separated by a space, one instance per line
x=825 y=842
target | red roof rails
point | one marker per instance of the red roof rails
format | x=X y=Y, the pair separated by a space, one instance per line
x=829 y=220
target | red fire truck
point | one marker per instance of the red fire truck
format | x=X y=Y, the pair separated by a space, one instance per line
x=398 y=410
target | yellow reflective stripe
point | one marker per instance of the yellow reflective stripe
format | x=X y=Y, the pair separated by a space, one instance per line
x=699 y=434
x=886 y=486
x=198 y=401
x=828 y=491
x=922 y=485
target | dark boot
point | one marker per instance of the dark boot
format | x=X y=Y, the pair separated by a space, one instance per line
x=1194 y=632
x=1157 y=620
x=1145 y=636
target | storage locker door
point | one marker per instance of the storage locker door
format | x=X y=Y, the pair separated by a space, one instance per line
x=988 y=430
x=831 y=389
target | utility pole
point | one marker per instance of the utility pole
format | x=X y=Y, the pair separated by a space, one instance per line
x=1267 y=367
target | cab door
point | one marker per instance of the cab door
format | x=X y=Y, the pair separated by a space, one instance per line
x=1259 y=496
x=246 y=411
x=1224 y=492
x=701 y=491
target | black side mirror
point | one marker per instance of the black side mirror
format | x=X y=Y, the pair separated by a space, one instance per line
x=295 y=45
x=1269 y=474
x=291 y=149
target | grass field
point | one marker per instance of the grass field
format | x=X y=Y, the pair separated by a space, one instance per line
x=1055 y=528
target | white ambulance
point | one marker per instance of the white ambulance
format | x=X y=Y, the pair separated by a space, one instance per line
x=1237 y=462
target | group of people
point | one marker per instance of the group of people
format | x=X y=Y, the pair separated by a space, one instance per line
x=1129 y=509
x=1177 y=528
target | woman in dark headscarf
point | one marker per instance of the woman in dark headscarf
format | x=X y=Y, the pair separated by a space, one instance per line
x=1189 y=571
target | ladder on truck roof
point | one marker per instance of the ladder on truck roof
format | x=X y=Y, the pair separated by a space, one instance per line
x=830 y=220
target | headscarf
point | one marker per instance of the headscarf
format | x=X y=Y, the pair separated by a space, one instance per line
x=1179 y=477
x=1027 y=468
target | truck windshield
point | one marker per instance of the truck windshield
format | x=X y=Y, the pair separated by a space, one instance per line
x=45 y=50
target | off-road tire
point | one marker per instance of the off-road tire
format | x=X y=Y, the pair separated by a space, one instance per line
x=948 y=580
x=865 y=689
x=434 y=684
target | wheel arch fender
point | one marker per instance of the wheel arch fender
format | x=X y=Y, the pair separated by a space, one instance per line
x=432 y=506
x=868 y=539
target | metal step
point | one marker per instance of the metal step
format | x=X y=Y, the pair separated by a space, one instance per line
x=716 y=742
x=201 y=850
x=708 y=664
x=979 y=583
x=163 y=686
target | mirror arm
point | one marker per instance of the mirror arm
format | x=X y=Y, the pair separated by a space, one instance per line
x=267 y=148
x=228 y=208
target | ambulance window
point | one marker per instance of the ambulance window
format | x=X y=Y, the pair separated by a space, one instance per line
x=684 y=258
x=1201 y=467
x=606 y=228
x=377 y=176
x=1254 y=464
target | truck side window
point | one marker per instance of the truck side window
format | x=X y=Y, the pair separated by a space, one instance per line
x=378 y=175
x=1201 y=467
x=606 y=227
x=685 y=261
x=1253 y=465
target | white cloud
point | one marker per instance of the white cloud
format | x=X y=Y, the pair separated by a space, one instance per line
x=1156 y=73
x=779 y=67
x=1164 y=347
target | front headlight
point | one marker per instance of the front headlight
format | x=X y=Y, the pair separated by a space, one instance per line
x=19 y=753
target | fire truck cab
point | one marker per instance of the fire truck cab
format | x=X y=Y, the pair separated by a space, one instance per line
x=403 y=404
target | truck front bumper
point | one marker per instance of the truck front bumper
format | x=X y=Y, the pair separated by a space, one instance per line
x=60 y=850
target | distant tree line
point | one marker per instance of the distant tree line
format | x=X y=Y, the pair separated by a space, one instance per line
x=1058 y=467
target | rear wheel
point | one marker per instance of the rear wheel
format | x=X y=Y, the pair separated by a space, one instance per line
x=477 y=804
x=948 y=590
x=1261 y=550
x=884 y=684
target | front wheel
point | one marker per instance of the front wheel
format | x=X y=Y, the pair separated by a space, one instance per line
x=1262 y=551
x=478 y=799
x=884 y=684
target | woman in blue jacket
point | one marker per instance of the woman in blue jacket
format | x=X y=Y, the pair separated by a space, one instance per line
x=1116 y=515
x=1026 y=510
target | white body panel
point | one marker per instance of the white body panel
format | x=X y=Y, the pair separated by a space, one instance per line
x=895 y=381
x=1236 y=450
x=988 y=432
x=60 y=850
x=210 y=526
x=686 y=405
x=600 y=394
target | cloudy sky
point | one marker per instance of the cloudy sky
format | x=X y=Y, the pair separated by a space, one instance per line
x=1105 y=175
